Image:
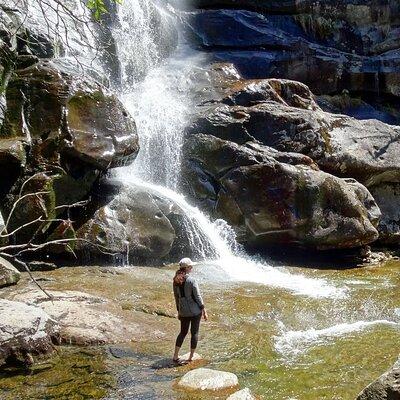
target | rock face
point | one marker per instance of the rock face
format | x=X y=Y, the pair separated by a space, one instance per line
x=208 y=379
x=60 y=131
x=384 y=388
x=9 y=275
x=25 y=331
x=330 y=45
x=284 y=115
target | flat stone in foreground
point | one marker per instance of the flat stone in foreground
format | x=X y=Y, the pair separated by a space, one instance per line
x=243 y=394
x=208 y=379
x=25 y=331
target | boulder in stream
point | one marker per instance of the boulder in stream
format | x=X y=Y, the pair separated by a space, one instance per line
x=208 y=379
x=135 y=223
x=84 y=319
x=386 y=387
x=25 y=331
x=273 y=197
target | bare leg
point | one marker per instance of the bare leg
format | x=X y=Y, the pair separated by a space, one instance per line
x=191 y=354
x=176 y=353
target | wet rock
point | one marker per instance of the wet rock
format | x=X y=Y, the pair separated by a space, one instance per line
x=208 y=379
x=385 y=387
x=60 y=131
x=284 y=115
x=69 y=115
x=273 y=197
x=196 y=357
x=244 y=394
x=25 y=331
x=9 y=275
x=134 y=224
x=84 y=319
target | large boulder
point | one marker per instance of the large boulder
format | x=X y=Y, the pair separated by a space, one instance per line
x=208 y=379
x=386 y=387
x=330 y=46
x=68 y=115
x=60 y=132
x=25 y=331
x=135 y=224
x=9 y=275
x=284 y=115
x=272 y=197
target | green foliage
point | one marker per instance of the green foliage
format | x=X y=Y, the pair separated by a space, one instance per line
x=98 y=7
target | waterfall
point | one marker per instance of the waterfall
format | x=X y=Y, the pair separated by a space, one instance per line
x=160 y=104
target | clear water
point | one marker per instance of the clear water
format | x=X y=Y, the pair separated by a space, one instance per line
x=282 y=346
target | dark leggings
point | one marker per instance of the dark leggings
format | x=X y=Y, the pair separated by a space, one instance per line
x=194 y=323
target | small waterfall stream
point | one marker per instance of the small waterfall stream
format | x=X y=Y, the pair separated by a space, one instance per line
x=160 y=104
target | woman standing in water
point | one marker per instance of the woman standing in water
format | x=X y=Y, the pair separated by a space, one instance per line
x=190 y=306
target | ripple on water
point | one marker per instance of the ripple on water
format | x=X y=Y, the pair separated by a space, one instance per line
x=291 y=344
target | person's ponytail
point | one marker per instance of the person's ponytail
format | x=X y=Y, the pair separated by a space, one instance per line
x=180 y=275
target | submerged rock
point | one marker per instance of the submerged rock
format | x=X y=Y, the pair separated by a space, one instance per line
x=25 y=331
x=386 y=387
x=9 y=275
x=208 y=379
x=244 y=394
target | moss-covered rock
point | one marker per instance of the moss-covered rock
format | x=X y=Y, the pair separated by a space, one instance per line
x=66 y=114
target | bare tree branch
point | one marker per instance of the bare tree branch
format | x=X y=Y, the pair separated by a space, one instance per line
x=25 y=266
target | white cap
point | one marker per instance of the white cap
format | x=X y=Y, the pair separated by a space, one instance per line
x=186 y=262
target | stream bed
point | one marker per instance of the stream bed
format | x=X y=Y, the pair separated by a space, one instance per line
x=281 y=344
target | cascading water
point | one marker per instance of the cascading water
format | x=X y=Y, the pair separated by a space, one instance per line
x=160 y=105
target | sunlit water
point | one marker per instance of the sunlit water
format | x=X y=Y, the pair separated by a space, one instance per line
x=280 y=345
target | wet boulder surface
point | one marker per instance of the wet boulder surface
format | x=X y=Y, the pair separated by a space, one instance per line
x=60 y=131
x=385 y=387
x=273 y=197
x=133 y=222
x=282 y=118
